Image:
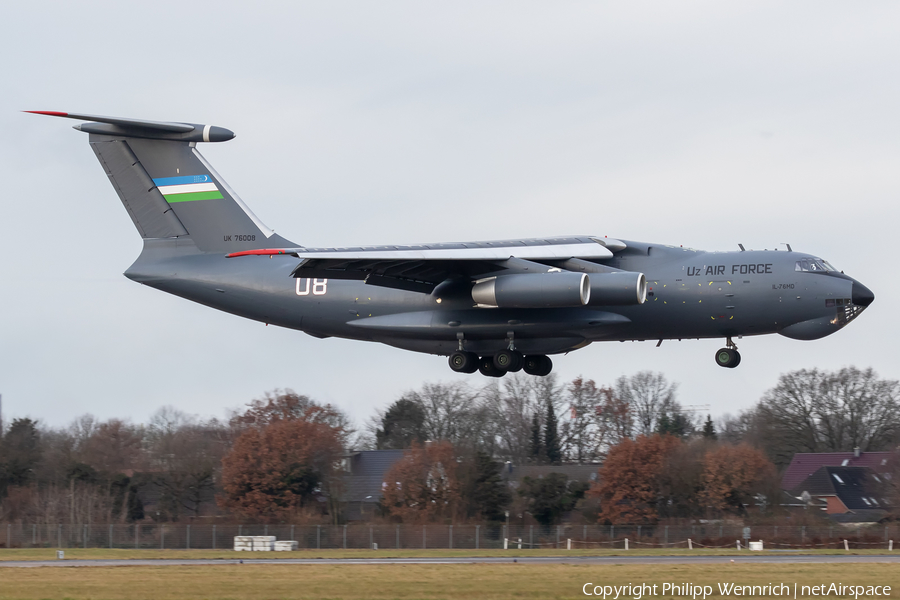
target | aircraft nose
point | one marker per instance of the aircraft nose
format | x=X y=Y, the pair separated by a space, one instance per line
x=861 y=295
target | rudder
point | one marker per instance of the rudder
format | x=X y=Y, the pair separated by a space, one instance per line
x=148 y=209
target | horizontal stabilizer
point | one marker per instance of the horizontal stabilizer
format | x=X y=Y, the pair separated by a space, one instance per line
x=157 y=130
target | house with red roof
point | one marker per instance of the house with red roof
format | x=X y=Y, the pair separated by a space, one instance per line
x=804 y=464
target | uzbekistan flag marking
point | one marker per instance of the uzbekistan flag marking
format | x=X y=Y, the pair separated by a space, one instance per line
x=187 y=188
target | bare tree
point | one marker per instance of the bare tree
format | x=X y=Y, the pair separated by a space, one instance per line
x=830 y=411
x=448 y=410
x=78 y=502
x=185 y=456
x=820 y=411
x=615 y=421
x=859 y=410
x=580 y=429
x=82 y=428
x=113 y=447
x=649 y=396
x=748 y=427
x=510 y=406
x=594 y=420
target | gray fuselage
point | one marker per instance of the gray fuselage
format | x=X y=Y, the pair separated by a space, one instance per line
x=691 y=294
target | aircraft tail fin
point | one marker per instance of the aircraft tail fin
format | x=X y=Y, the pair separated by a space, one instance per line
x=167 y=187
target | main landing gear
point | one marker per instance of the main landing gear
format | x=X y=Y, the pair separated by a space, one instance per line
x=501 y=363
x=498 y=365
x=728 y=356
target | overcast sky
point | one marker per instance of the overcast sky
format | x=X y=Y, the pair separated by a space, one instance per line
x=706 y=124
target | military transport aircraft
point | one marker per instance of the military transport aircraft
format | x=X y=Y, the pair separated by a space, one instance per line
x=492 y=307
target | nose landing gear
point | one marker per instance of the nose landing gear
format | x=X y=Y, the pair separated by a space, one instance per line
x=728 y=357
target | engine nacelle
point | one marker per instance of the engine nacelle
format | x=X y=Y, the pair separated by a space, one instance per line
x=618 y=288
x=537 y=290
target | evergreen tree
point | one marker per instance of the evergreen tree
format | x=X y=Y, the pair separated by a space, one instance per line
x=680 y=425
x=489 y=495
x=401 y=425
x=550 y=497
x=676 y=425
x=664 y=424
x=709 y=430
x=537 y=443
x=551 y=436
x=20 y=452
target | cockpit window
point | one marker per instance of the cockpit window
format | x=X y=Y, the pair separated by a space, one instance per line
x=813 y=265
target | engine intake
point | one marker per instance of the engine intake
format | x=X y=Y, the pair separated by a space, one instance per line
x=538 y=290
x=618 y=289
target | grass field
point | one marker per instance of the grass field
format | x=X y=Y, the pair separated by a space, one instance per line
x=334 y=582
x=122 y=554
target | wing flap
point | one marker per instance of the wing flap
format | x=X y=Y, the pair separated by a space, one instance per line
x=526 y=249
x=421 y=268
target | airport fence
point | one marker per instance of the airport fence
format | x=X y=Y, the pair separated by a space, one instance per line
x=404 y=536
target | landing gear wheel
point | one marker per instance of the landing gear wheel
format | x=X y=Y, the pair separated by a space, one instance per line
x=509 y=360
x=486 y=367
x=538 y=364
x=728 y=358
x=464 y=362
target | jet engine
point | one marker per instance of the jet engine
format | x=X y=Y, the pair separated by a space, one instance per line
x=620 y=288
x=537 y=290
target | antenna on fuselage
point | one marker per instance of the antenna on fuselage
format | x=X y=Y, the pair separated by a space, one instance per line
x=741 y=246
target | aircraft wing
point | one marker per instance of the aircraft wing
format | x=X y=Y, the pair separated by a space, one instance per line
x=420 y=268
